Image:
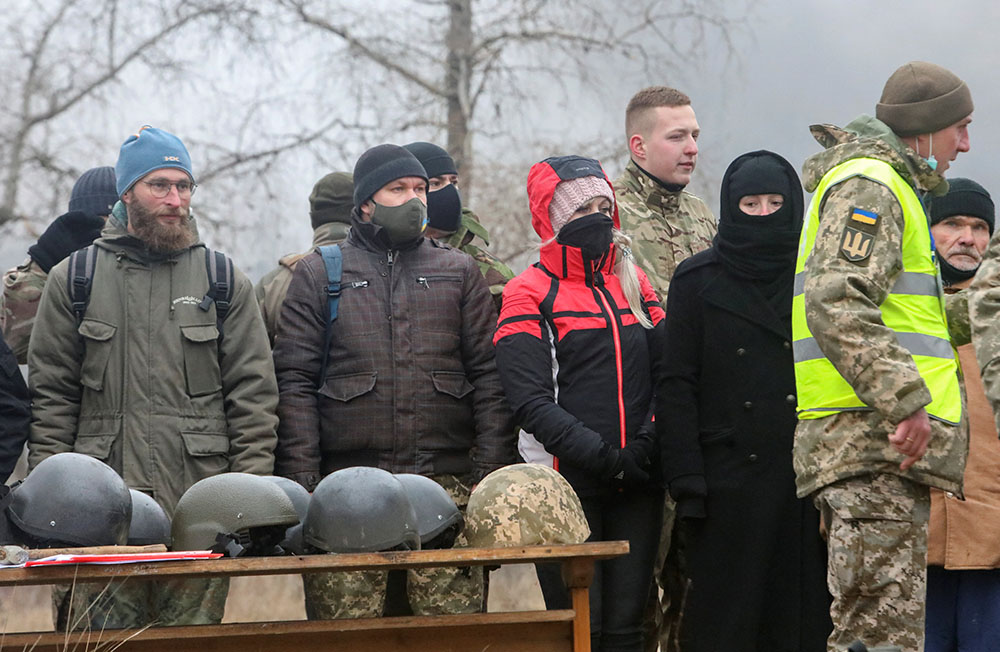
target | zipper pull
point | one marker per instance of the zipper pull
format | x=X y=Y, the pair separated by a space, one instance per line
x=390 y=257
x=422 y=280
x=358 y=284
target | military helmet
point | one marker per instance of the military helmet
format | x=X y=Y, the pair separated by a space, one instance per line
x=524 y=505
x=435 y=510
x=361 y=509
x=236 y=505
x=72 y=499
x=150 y=524
x=293 y=541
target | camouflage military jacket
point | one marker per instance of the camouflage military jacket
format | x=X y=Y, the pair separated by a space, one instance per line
x=984 y=316
x=666 y=226
x=494 y=270
x=842 y=300
x=273 y=286
x=22 y=289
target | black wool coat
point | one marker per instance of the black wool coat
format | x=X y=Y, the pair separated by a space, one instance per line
x=726 y=420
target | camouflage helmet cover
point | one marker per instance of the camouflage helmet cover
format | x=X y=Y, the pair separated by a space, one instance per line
x=524 y=505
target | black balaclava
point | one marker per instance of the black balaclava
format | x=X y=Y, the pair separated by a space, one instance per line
x=761 y=248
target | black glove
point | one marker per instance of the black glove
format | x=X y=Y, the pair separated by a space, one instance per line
x=628 y=471
x=67 y=233
x=689 y=491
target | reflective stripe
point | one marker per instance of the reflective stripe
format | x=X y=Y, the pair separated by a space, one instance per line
x=916 y=343
x=916 y=283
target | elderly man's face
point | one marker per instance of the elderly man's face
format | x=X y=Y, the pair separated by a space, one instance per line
x=961 y=241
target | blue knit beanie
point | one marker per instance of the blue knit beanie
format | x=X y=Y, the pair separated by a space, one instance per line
x=94 y=192
x=380 y=165
x=150 y=149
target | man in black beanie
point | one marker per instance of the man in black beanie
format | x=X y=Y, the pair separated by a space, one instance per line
x=962 y=223
x=406 y=380
x=330 y=205
x=877 y=379
x=90 y=203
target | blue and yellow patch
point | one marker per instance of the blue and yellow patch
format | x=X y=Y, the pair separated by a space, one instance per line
x=863 y=216
x=858 y=239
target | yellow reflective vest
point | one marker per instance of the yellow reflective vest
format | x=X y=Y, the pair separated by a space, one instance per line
x=914 y=307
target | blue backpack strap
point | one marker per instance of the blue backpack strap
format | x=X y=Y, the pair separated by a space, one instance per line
x=219 y=268
x=333 y=260
x=80 y=278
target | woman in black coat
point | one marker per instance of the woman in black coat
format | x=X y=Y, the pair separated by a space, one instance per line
x=726 y=419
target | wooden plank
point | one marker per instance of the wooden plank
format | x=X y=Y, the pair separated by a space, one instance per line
x=316 y=563
x=533 y=631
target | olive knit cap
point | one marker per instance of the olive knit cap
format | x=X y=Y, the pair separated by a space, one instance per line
x=332 y=199
x=921 y=98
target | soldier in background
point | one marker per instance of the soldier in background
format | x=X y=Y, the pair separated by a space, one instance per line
x=90 y=204
x=667 y=225
x=963 y=559
x=877 y=380
x=451 y=222
x=330 y=205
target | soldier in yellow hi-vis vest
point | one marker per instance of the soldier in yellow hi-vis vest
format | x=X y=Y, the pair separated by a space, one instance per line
x=880 y=406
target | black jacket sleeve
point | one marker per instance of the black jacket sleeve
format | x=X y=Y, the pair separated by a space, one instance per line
x=15 y=411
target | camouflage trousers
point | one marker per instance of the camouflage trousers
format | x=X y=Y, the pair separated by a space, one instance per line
x=877 y=567
x=430 y=591
x=134 y=604
x=662 y=616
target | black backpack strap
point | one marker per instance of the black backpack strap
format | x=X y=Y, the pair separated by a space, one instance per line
x=220 y=285
x=333 y=261
x=80 y=278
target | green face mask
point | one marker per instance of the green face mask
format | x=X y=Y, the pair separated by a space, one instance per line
x=403 y=223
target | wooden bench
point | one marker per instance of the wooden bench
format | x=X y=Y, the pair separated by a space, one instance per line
x=522 y=631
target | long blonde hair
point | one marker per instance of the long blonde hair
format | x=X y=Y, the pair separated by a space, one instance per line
x=627 y=276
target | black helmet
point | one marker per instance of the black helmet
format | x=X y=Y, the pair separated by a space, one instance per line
x=437 y=514
x=361 y=509
x=236 y=513
x=72 y=499
x=293 y=541
x=150 y=524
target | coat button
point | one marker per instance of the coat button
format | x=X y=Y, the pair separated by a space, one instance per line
x=384 y=274
x=791 y=399
x=741 y=351
x=747 y=405
x=787 y=345
x=753 y=457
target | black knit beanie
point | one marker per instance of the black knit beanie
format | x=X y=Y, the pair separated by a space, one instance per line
x=94 y=192
x=332 y=199
x=921 y=98
x=436 y=160
x=380 y=165
x=965 y=197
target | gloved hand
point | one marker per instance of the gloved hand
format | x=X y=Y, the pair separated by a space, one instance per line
x=689 y=491
x=629 y=471
x=67 y=233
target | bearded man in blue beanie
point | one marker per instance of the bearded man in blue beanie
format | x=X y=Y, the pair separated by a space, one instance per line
x=405 y=381
x=162 y=370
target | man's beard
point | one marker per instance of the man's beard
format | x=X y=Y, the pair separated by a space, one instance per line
x=161 y=238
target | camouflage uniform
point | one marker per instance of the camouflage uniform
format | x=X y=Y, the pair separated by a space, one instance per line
x=984 y=315
x=431 y=591
x=273 y=286
x=22 y=289
x=875 y=513
x=494 y=271
x=666 y=227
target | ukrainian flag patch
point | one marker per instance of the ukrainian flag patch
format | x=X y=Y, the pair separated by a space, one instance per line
x=863 y=216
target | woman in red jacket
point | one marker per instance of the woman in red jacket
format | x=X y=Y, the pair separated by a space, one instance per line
x=575 y=350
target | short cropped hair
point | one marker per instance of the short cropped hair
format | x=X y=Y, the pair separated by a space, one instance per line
x=639 y=112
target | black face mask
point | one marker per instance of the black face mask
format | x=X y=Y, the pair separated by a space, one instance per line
x=591 y=234
x=444 y=209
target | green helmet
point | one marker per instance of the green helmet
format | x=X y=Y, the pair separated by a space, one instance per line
x=72 y=499
x=149 y=524
x=524 y=505
x=250 y=512
x=293 y=541
x=436 y=512
x=361 y=509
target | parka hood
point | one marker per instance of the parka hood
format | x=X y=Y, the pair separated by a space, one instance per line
x=868 y=137
x=546 y=175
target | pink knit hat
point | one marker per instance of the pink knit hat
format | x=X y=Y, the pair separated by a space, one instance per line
x=574 y=193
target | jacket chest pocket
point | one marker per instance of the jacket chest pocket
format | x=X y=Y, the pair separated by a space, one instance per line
x=436 y=302
x=201 y=359
x=98 y=339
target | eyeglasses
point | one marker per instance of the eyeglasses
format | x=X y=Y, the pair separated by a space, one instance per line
x=160 y=188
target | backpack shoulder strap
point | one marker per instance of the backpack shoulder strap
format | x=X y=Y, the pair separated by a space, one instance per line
x=333 y=260
x=220 y=285
x=80 y=278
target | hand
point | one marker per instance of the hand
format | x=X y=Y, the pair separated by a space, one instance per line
x=67 y=233
x=911 y=437
x=630 y=472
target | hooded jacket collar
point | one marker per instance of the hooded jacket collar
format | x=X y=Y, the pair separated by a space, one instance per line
x=655 y=192
x=867 y=137
x=561 y=260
